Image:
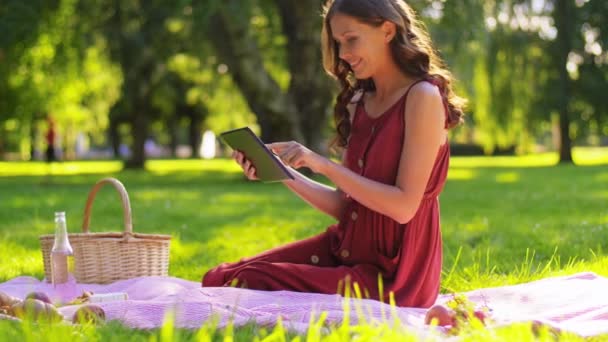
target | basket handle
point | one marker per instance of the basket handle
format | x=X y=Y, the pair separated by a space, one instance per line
x=124 y=197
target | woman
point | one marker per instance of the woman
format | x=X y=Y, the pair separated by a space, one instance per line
x=392 y=117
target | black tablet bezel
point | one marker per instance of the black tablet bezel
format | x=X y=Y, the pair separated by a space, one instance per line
x=255 y=142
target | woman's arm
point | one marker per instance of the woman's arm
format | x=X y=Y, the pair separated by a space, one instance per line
x=326 y=199
x=424 y=134
x=320 y=196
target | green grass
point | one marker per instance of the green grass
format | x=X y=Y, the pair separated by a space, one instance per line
x=505 y=220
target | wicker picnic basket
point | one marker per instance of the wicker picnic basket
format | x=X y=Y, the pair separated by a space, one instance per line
x=101 y=258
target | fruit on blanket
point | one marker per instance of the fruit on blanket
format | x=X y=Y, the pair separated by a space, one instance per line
x=89 y=314
x=441 y=314
x=40 y=296
x=36 y=310
x=481 y=315
x=7 y=300
x=83 y=298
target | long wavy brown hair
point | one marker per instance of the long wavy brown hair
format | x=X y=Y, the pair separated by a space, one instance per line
x=411 y=49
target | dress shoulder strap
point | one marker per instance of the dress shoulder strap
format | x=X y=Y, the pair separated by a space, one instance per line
x=412 y=86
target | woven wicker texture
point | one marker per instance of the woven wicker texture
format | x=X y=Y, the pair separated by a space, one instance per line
x=101 y=258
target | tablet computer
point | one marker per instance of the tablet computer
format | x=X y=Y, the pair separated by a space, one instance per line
x=268 y=166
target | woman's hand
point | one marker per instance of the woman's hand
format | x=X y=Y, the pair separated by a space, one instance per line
x=297 y=155
x=246 y=165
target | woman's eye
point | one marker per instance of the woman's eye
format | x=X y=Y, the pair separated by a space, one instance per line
x=351 y=40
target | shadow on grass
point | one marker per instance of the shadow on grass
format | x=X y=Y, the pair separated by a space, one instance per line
x=210 y=214
x=216 y=215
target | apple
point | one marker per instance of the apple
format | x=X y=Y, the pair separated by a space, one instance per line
x=40 y=296
x=441 y=314
x=481 y=315
x=7 y=300
x=89 y=314
x=36 y=310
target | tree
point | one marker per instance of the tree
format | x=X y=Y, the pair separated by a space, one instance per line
x=48 y=70
x=299 y=110
x=565 y=24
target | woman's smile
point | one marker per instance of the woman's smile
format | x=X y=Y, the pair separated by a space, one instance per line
x=355 y=64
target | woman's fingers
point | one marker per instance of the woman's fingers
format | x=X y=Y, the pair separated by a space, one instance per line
x=278 y=147
x=250 y=170
x=251 y=175
x=292 y=155
x=238 y=157
x=245 y=164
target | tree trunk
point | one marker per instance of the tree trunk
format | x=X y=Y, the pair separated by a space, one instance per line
x=172 y=124
x=301 y=112
x=194 y=134
x=310 y=88
x=140 y=133
x=33 y=135
x=114 y=137
x=2 y=135
x=275 y=111
x=563 y=43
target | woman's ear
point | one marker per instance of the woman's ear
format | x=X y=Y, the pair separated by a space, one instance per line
x=389 y=30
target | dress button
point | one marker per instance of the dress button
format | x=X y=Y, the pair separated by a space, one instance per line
x=360 y=162
x=373 y=129
x=354 y=216
x=314 y=259
x=345 y=253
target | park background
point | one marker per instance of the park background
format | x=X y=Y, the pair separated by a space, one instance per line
x=134 y=85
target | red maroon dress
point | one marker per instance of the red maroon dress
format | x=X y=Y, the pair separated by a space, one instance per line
x=364 y=243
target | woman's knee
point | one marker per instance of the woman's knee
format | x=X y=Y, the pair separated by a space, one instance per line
x=215 y=276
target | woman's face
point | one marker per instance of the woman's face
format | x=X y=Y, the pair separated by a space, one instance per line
x=364 y=47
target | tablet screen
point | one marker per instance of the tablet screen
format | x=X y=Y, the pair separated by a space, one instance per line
x=268 y=167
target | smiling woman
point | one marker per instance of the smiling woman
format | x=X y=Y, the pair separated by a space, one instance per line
x=392 y=116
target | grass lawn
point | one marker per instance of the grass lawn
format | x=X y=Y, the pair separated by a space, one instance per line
x=505 y=220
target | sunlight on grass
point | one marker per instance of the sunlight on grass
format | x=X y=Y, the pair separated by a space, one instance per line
x=461 y=173
x=58 y=169
x=590 y=155
x=505 y=220
x=182 y=250
x=479 y=269
x=18 y=261
x=162 y=167
x=581 y=156
x=536 y=160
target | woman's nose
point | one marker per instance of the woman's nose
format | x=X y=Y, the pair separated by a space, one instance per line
x=343 y=52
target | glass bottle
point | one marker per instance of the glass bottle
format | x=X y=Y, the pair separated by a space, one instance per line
x=61 y=250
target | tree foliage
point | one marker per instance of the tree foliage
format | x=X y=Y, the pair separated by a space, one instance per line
x=126 y=71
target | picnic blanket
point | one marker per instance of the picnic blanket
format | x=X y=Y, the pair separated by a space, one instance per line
x=577 y=303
